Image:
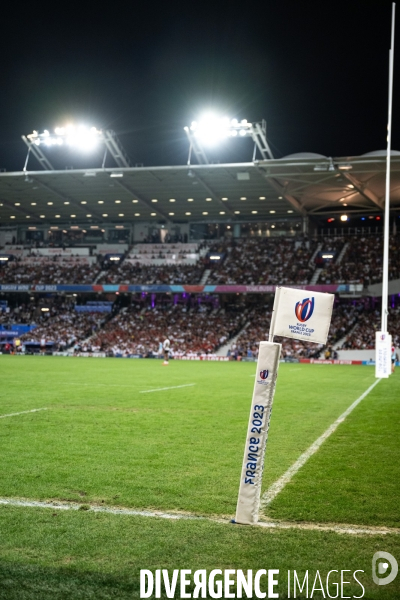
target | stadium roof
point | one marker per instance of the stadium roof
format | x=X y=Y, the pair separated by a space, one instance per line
x=297 y=185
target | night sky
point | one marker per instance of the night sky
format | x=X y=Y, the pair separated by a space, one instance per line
x=318 y=73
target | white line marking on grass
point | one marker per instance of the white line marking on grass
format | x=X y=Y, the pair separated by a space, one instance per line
x=278 y=486
x=173 y=387
x=337 y=528
x=24 y=412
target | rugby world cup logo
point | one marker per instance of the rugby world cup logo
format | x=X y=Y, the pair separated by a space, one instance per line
x=304 y=310
x=264 y=374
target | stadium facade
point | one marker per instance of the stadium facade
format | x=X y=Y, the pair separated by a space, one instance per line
x=178 y=232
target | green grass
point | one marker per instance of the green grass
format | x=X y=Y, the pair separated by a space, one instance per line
x=50 y=554
x=181 y=449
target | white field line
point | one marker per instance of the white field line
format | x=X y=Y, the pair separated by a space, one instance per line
x=94 y=385
x=278 y=486
x=337 y=528
x=24 y=412
x=173 y=387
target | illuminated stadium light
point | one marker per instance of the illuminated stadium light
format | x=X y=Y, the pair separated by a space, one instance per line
x=44 y=309
x=121 y=214
x=211 y=130
x=344 y=217
x=327 y=256
x=80 y=137
x=290 y=211
x=66 y=202
x=33 y=203
x=135 y=201
x=88 y=215
x=50 y=203
x=188 y=213
x=272 y=212
x=137 y=214
x=154 y=200
x=83 y=202
x=116 y=175
x=12 y=217
x=153 y=214
x=224 y=199
x=19 y=203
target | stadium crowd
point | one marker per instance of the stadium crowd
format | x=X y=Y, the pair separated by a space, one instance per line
x=59 y=324
x=264 y=262
x=249 y=261
x=191 y=330
x=369 y=321
x=193 y=327
x=54 y=270
x=137 y=274
x=343 y=319
x=362 y=262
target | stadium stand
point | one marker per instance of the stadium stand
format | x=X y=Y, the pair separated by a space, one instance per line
x=61 y=325
x=49 y=270
x=369 y=321
x=264 y=262
x=246 y=261
x=344 y=317
x=362 y=262
x=191 y=329
x=141 y=274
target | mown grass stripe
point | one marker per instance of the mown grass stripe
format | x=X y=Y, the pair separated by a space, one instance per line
x=278 y=486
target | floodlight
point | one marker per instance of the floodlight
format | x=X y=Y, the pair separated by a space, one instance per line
x=80 y=137
x=344 y=217
x=210 y=130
